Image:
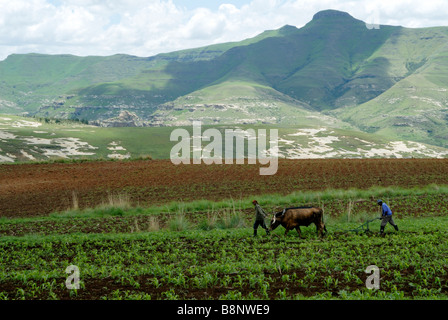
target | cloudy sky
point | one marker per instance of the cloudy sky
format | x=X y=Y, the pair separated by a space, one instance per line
x=148 y=27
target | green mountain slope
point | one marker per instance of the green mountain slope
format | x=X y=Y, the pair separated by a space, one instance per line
x=39 y=84
x=416 y=107
x=237 y=102
x=332 y=72
x=314 y=64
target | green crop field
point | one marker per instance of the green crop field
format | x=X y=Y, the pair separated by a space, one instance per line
x=202 y=250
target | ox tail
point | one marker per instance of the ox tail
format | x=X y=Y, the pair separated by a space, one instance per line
x=322 y=219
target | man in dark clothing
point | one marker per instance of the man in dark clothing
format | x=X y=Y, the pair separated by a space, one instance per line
x=386 y=216
x=260 y=215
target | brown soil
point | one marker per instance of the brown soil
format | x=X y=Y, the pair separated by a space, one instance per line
x=39 y=189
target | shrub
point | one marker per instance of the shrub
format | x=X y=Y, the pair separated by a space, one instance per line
x=179 y=223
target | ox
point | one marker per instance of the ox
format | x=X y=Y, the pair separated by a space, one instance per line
x=293 y=218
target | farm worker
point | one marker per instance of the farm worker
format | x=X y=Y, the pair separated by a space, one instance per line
x=386 y=216
x=260 y=215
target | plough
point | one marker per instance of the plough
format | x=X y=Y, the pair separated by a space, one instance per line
x=362 y=228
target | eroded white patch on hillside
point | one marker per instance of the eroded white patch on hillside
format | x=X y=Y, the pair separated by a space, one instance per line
x=27 y=155
x=119 y=148
x=6 y=159
x=119 y=156
x=67 y=147
x=428 y=100
x=320 y=143
x=34 y=140
x=26 y=123
x=115 y=146
x=4 y=135
x=317 y=146
x=48 y=147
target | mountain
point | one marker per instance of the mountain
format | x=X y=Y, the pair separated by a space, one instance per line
x=333 y=72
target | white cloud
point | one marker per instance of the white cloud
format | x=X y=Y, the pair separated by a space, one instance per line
x=204 y=24
x=148 y=27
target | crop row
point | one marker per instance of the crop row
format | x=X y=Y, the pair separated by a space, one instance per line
x=130 y=220
x=228 y=264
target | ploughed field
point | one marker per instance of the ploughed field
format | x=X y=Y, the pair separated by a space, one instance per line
x=152 y=230
x=39 y=189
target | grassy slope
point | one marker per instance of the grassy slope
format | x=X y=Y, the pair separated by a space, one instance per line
x=35 y=80
x=312 y=138
x=294 y=70
x=334 y=50
x=308 y=64
x=49 y=76
x=237 y=102
x=99 y=138
x=415 y=108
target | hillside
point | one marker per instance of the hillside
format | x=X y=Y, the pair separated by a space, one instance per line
x=333 y=72
x=67 y=86
x=416 y=107
x=33 y=139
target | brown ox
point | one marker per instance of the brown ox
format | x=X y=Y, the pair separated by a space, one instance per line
x=293 y=218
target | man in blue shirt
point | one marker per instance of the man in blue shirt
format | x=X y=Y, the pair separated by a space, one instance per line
x=386 y=216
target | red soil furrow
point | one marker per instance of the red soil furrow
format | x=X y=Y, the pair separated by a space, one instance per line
x=39 y=189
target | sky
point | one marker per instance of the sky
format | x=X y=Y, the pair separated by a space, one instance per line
x=147 y=27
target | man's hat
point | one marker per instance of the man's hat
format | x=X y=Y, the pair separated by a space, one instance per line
x=379 y=201
x=254 y=202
